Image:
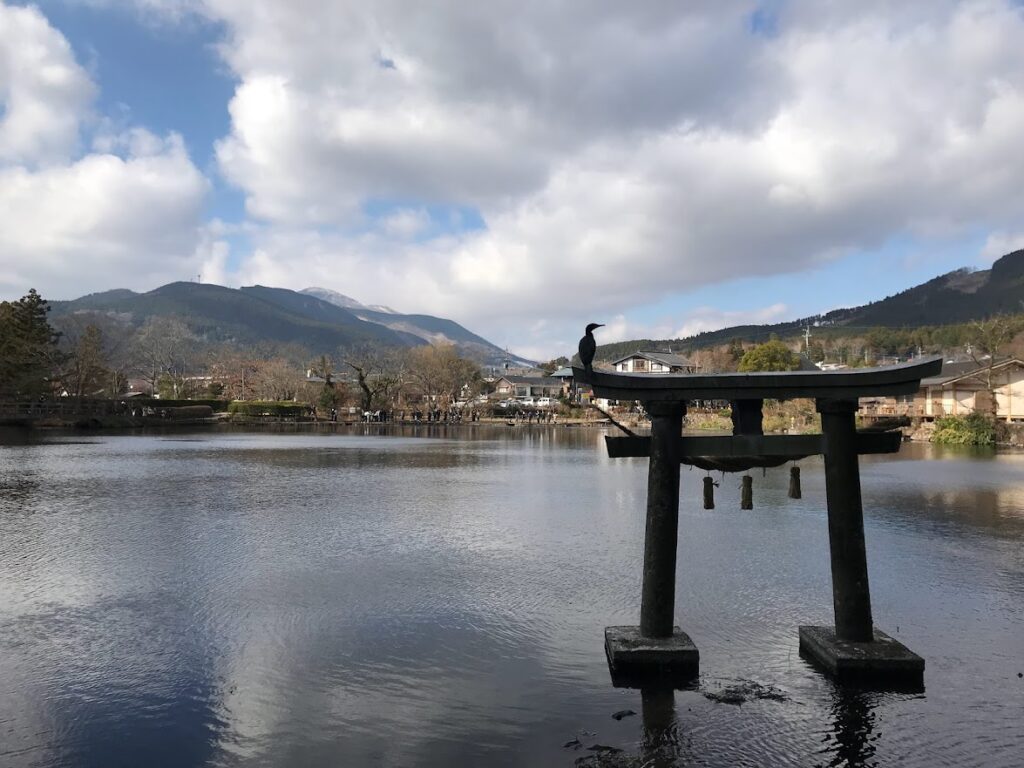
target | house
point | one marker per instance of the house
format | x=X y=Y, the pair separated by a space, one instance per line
x=961 y=389
x=565 y=374
x=528 y=386
x=654 y=362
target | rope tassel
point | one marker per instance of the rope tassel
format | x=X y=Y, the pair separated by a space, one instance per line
x=747 y=493
x=794 y=483
x=709 y=493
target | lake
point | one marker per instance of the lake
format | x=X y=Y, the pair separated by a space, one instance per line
x=438 y=598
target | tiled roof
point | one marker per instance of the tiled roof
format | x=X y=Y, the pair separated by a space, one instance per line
x=959 y=369
x=665 y=358
x=533 y=381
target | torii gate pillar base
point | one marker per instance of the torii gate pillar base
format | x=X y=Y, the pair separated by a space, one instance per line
x=636 y=661
x=884 y=663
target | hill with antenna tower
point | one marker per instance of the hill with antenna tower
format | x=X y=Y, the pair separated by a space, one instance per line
x=957 y=297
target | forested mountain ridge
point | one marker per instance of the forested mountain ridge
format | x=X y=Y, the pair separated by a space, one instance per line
x=955 y=297
x=257 y=314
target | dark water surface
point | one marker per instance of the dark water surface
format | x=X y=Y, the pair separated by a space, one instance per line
x=346 y=600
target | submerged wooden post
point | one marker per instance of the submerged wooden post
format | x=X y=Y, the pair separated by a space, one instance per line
x=659 y=586
x=850 y=593
x=709 y=493
x=747 y=493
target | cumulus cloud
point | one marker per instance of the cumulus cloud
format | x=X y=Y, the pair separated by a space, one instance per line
x=616 y=153
x=999 y=244
x=125 y=214
x=43 y=90
x=612 y=154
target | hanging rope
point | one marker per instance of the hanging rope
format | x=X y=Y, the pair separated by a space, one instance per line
x=735 y=463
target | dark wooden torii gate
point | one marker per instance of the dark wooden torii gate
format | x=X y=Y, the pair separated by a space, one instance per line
x=851 y=650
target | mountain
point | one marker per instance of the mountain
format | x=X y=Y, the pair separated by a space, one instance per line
x=259 y=314
x=341 y=300
x=956 y=297
x=245 y=316
x=434 y=330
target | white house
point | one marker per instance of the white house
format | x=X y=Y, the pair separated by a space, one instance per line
x=528 y=386
x=961 y=389
x=654 y=362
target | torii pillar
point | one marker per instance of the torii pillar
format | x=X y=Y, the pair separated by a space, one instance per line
x=853 y=649
x=657 y=649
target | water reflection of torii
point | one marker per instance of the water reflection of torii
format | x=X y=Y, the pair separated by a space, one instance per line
x=853 y=650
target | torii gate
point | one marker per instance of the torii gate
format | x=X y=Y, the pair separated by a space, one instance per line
x=853 y=650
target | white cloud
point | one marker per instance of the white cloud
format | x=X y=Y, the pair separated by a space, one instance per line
x=100 y=222
x=43 y=91
x=126 y=214
x=705 y=319
x=617 y=154
x=999 y=244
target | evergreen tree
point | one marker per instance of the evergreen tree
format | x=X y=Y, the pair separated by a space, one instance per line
x=28 y=348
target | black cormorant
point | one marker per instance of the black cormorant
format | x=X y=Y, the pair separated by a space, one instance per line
x=588 y=347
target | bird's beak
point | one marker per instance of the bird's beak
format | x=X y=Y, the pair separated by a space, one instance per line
x=600 y=325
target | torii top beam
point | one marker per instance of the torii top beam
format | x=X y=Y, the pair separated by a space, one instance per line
x=901 y=379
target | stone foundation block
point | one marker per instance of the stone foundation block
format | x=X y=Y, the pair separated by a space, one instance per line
x=636 y=661
x=884 y=663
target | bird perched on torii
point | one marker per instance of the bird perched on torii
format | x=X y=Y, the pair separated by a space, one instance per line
x=588 y=347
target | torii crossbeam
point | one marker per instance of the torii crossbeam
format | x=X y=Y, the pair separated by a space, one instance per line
x=853 y=649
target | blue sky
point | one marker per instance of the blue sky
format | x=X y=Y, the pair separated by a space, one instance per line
x=671 y=174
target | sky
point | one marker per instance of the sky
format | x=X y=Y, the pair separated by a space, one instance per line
x=524 y=167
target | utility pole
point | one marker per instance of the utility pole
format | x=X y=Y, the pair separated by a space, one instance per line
x=807 y=339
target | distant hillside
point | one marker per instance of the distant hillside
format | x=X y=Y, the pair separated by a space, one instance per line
x=259 y=314
x=430 y=329
x=956 y=297
x=246 y=316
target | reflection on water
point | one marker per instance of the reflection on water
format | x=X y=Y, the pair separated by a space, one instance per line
x=437 y=597
x=852 y=742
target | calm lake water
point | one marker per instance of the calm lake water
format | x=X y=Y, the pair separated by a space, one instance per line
x=439 y=600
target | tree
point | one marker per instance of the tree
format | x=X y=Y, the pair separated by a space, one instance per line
x=329 y=397
x=715 y=359
x=380 y=374
x=109 y=347
x=29 y=356
x=441 y=373
x=736 y=350
x=277 y=379
x=771 y=356
x=235 y=370
x=987 y=341
x=162 y=347
x=86 y=371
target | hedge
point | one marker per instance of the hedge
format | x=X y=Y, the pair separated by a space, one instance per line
x=150 y=402
x=285 y=409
